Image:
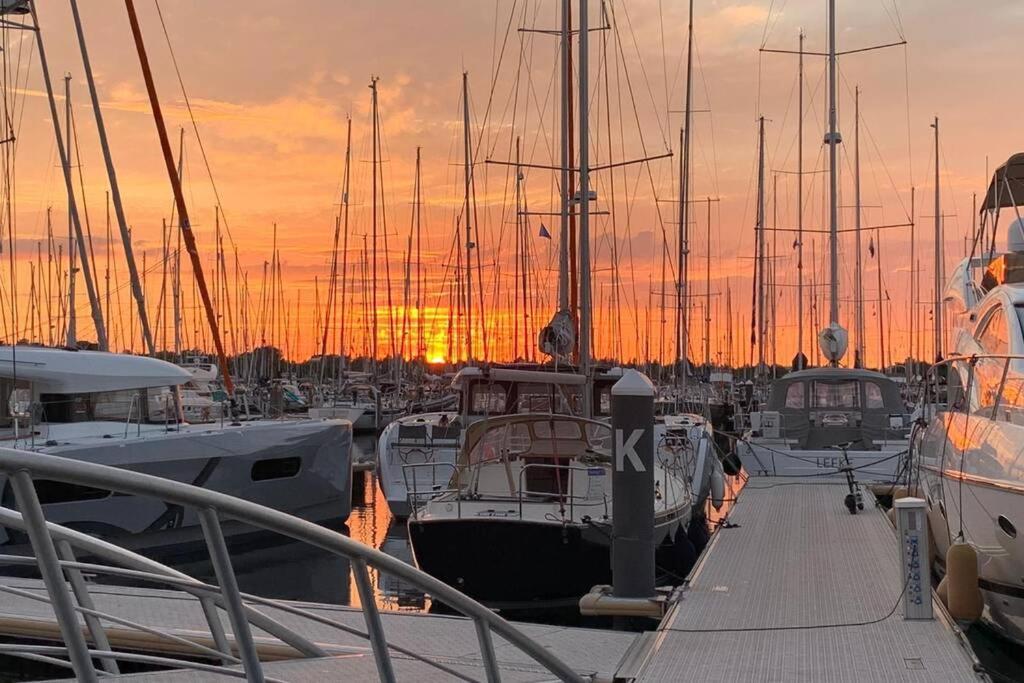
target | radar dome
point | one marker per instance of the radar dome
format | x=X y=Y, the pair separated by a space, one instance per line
x=1015 y=236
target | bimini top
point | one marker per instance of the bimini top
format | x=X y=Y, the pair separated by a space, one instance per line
x=1007 y=186
x=66 y=371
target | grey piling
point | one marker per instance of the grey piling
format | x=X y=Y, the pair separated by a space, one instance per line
x=633 y=486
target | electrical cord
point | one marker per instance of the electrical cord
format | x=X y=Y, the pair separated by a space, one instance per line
x=805 y=627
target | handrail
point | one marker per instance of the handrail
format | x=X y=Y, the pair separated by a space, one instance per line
x=22 y=466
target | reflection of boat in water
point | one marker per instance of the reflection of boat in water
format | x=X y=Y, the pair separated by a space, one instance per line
x=395 y=593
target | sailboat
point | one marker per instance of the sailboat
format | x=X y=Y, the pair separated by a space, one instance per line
x=830 y=422
x=972 y=447
x=524 y=515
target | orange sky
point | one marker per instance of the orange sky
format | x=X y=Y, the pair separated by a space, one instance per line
x=271 y=88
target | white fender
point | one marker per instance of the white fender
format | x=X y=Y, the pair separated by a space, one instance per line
x=717 y=487
x=701 y=481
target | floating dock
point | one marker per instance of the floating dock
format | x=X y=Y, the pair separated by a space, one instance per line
x=444 y=645
x=795 y=588
x=792 y=588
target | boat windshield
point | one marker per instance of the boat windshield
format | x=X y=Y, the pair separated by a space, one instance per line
x=843 y=394
x=543 y=437
x=153 y=404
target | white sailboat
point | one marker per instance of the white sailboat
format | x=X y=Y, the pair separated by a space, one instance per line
x=831 y=421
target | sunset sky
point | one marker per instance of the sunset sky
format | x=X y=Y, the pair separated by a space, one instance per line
x=271 y=85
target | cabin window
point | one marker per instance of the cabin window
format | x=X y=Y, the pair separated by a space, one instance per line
x=603 y=404
x=276 y=468
x=835 y=395
x=563 y=429
x=873 y=396
x=533 y=398
x=795 y=395
x=488 y=399
x=993 y=337
x=51 y=492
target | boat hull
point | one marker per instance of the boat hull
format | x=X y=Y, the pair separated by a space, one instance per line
x=775 y=458
x=518 y=563
x=982 y=497
x=300 y=467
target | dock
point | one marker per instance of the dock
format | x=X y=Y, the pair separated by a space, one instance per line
x=445 y=646
x=795 y=588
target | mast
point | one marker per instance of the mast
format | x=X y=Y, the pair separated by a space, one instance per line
x=344 y=247
x=72 y=337
x=563 y=246
x=373 y=171
x=64 y=154
x=800 y=211
x=420 y=348
x=115 y=190
x=682 y=300
x=858 y=353
x=760 y=261
x=707 y=294
x=832 y=139
x=584 y=239
x=938 y=251
x=179 y=197
x=467 y=172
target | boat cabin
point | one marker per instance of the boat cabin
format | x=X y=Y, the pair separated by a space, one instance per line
x=43 y=385
x=490 y=391
x=825 y=407
x=535 y=457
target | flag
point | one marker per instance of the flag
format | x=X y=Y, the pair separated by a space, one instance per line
x=871 y=247
x=544 y=232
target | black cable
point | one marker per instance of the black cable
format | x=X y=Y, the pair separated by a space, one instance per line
x=804 y=627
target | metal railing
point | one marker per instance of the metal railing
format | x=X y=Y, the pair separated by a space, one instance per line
x=416 y=497
x=522 y=493
x=67 y=592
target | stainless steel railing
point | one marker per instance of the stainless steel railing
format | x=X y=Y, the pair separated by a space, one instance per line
x=61 y=572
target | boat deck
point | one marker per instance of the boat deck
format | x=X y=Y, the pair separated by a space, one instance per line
x=798 y=589
x=446 y=640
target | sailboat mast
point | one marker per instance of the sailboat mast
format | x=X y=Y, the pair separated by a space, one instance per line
x=179 y=198
x=800 y=209
x=858 y=353
x=373 y=172
x=64 y=153
x=832 y=140
x=563 y=244
x=72 y=336
x=707 y=292
x=682 y=300
x=115 y=190
x=938 y=250
x=467 y=172
x=760 y=246
x=584 y=241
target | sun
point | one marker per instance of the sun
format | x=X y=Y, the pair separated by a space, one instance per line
x=436 y=359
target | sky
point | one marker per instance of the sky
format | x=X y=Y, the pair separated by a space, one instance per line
x=271 y=86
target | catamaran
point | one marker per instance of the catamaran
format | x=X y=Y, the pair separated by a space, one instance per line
x=125 y=411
